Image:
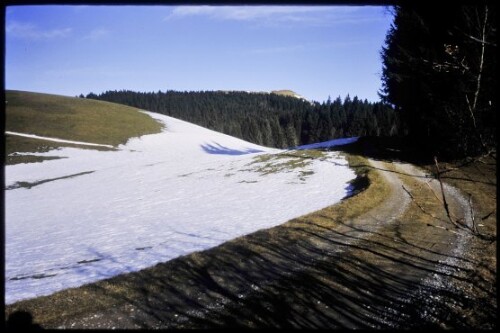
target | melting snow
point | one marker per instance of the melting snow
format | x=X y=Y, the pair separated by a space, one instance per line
x=33 y=136
x=156 y=198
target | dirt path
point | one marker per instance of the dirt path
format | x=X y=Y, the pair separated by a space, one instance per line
x=395 y=266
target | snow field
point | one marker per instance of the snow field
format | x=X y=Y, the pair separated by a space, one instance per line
x=156 y=198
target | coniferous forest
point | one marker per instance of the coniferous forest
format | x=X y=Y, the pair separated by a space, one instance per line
x=439 y=71
x=271 y=120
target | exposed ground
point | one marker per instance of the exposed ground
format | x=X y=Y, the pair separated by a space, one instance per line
x=67 y=118
x=379 y=259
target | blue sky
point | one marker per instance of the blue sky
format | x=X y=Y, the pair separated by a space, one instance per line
x=317 y=51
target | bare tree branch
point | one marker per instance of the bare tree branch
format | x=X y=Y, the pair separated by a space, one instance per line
x=473 y=107
x=445 y=203
x=474 y=226
x=418 y=205
x=426 y=212
x=488 y=215
x=481 y=62
x=480 y=40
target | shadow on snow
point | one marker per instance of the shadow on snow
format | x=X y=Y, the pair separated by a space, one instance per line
x=218 y=149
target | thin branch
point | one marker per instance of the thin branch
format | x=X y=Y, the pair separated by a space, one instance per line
x=488 y=215
x=481 y=63
x=437 y=226
x=445 y=203
x=441 y=201
x=478 y=159
x=434 y=192
x=472 y=110
x=409 y=193
x=420 y=206
x=474 y=226
x=480 y=41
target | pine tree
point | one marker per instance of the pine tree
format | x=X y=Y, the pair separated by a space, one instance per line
x=438 y=71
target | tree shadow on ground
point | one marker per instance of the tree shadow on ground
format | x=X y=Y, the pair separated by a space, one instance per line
x=396 y=149
x=390 y=149
x=307 y=277
x=403 y=149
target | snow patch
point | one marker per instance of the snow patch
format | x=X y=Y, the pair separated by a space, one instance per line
x=33 y=136
x=157 y=197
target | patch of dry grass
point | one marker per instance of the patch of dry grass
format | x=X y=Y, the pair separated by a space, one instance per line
x=69 y=118
x=476 y=178
x=17 y=144
x=283 y=162
x=373 y=196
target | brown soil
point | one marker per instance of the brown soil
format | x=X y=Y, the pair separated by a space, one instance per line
x=380 y=259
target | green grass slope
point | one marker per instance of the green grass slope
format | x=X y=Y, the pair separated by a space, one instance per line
x=68 y=118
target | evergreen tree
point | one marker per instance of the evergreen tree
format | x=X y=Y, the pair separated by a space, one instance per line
x=266 y=119
x=438 y=71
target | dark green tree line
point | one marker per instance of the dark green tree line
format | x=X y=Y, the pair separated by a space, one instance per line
x=267 y=119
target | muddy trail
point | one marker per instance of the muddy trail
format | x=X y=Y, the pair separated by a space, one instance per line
x=401 y=264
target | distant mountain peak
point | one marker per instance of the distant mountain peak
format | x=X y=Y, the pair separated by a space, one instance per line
x=283 y=92
x=287 y=92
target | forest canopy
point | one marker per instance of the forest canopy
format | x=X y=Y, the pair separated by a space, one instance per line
x=266 y=119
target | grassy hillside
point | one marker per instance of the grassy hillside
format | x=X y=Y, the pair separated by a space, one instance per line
x=285 y=93
x=69 y=118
